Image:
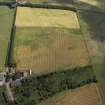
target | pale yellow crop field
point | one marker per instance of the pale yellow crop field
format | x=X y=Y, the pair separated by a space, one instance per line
x=87 y=95
x=28 y=17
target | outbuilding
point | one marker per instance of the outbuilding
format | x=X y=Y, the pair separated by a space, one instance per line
x=2 y=79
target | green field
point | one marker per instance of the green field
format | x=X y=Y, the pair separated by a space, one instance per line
x=94 y=25
x=48 y=41
x=6 y=20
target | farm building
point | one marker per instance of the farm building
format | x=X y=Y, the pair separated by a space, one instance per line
x=18 y=76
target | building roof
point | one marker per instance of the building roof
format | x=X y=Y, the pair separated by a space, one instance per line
x=2 y=76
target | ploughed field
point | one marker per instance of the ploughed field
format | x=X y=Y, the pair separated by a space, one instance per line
x=48 y=40
x=86 y=95
x=6 y=20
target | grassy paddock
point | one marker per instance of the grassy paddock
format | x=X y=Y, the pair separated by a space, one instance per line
x=6 y=20
x=48 y=40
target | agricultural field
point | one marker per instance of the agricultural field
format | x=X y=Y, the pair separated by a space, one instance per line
x=87 y=95
x=6 y=20
x=51 y=43
x=48 y=40
x=93 y=24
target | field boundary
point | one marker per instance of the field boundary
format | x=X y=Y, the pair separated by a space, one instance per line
x=10 y=43
x=49 y=6
x=70 y=7
x=99 y=95
x=85 y=42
